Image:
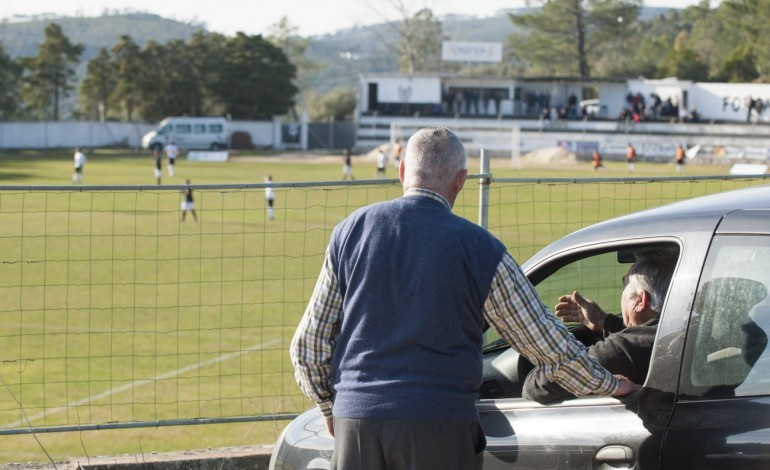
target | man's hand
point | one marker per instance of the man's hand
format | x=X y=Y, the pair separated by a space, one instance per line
x=330 y=425
x=575 y=308
x=625 y=386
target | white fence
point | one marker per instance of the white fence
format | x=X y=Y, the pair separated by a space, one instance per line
x=45 y=135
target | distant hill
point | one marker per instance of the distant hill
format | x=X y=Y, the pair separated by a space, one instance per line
x=340 y=56
x=21 y=39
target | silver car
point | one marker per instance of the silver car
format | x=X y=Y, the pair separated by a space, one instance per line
x=706 y=400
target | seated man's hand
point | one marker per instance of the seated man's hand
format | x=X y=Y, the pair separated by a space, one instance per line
x=575 y=308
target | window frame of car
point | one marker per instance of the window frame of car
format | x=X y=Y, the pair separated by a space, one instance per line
x=551 y=265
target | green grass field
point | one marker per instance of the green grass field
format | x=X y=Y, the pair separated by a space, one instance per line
x=122 y=167
x=113 y=310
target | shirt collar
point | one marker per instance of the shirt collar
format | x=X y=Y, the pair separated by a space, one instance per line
x=429 y=194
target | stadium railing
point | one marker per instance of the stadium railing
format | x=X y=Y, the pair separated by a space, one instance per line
x=115 y=313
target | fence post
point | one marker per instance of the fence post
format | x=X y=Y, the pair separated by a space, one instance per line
x=484 y=181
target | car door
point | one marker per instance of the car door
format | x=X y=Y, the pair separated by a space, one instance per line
x=588 y=432
x=722 y=413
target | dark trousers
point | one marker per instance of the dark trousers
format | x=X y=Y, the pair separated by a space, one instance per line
x=395 y=444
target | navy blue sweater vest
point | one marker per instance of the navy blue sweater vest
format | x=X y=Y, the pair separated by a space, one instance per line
x=414 y=278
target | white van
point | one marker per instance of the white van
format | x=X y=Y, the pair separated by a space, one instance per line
x=188 y=133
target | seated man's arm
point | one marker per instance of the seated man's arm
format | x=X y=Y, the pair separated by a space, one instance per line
x=613 y=324
x=626 y=353
x=538 y=388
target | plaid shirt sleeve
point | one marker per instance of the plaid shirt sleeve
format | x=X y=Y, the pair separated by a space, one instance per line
x=514 y=309
x=313 y=343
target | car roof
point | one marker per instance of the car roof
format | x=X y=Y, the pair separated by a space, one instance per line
x=667 y=221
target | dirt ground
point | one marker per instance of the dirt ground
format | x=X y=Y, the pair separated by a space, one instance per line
x=539 y=157
x=227 y=458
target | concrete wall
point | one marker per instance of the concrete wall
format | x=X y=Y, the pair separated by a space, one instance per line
x=42 y=135
x=45 y=135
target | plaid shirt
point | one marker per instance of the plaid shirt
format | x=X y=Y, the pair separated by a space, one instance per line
x=512 y=308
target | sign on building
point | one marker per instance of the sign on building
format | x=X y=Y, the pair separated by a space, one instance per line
x=472 y=51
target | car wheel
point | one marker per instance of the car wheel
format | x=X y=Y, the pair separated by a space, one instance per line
x=216 y=146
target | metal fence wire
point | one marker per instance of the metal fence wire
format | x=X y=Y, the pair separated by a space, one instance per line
x=114 y=312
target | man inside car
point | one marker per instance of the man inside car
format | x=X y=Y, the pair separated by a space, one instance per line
x=628 y=340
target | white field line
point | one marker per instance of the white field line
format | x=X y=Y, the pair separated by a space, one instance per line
x=123 y=388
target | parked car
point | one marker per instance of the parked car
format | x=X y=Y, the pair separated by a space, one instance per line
x=188 y=133
x=706 y=400
x=593 y=109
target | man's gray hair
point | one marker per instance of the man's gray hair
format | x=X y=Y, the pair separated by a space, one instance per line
x=652 y=273
x=434 y=156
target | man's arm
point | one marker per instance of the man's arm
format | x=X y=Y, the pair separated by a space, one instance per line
x=538 y=388
x=313 y=343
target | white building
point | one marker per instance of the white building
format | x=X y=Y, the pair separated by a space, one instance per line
x=571 y=112
x=468 y=97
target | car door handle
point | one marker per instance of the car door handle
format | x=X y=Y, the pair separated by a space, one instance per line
x=615 y=455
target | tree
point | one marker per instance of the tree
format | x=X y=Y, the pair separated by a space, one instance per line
x=206 y=53
x=10 y=71
x=130 y=71
x=645 y=59
x=255 y=81
x=739 y=67
x=420 y=44
x=749 y=19
x=339 y=104
x=49 y=75
x=564 y=37
x=97 y=85
x=285 y=36
x=418 y=36
x=173 y=84
x=683 y=62
x=151 y=87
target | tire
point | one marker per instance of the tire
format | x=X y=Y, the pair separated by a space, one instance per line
x=216 y=146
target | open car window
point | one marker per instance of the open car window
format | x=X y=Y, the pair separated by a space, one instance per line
x=597 y=275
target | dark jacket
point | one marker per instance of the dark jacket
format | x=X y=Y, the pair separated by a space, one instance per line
x=626 y=352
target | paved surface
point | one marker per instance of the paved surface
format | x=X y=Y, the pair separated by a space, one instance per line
x=228 y=458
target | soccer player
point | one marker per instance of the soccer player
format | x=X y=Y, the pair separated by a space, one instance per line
x=171 y=151
x=80 y=163
x=188 y=204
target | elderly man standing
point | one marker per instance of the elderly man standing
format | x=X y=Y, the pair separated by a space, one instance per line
x=390 y=344
x=628 y=339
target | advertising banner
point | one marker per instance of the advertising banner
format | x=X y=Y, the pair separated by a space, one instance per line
x=472 y=51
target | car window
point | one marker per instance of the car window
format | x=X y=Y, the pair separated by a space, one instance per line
x=182 y=128
x=200 y=128
x=726 y=350
x=215 y=128
x=597 y=276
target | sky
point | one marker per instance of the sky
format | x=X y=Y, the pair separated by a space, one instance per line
x=311 y=17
